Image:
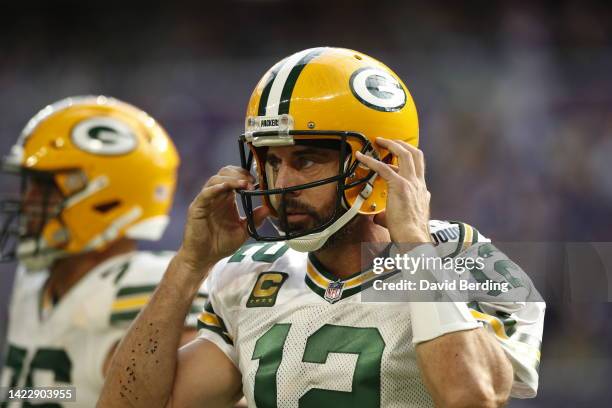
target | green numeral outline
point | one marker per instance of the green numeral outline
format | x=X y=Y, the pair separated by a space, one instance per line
x=269 y=352
x=502 y=266
x=366 y=342
x=260 y=255
x=55 y=360
x=14 y=359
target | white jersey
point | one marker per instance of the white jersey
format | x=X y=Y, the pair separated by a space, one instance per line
x=303 y=338
x=67 y=344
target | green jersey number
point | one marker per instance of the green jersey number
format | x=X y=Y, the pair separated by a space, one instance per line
x=54 y=360
x=366 y=342
x=263 y=252
x=504 y=267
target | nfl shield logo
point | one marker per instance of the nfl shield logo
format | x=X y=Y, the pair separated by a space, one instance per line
x=333 y=293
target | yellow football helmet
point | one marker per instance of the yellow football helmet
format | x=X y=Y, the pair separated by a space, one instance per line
x=326 y=95
x=114 y=167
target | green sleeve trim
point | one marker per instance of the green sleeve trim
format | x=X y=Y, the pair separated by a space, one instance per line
x=136 y=290
x=217 y=330
x=475 y=237
x=121 y=317
x=195 y=309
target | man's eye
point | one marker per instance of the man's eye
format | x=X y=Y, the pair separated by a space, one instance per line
x=305 y=163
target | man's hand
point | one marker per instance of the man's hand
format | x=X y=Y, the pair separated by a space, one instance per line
x=407 y=213
x=214 y=228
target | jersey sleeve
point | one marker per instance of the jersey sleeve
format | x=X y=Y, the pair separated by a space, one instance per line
x=132 y=282
x=518 y=329
x=214 y=323
x=515 y=317
x=136 y=280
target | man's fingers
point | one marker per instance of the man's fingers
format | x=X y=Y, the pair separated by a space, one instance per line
x=418 y=158
x=260 y=214
x=218 y=189
x=218 y=179
x=384 y=170
x=405 y=160
x=236 y=172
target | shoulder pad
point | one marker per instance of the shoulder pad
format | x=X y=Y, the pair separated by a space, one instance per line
x=232 y=273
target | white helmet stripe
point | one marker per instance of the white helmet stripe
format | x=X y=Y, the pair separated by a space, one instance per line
x=291 y=64
x=279 y=83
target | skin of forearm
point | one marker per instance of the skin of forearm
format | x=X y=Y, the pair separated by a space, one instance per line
x=465 y=369
x=143 y=367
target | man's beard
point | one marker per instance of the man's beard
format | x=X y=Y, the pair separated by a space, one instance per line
x=318 y=218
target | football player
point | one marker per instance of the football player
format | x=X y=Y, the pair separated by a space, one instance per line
x=332 y=137
x=97 y=175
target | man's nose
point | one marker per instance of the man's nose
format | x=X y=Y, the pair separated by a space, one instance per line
x=287 y=177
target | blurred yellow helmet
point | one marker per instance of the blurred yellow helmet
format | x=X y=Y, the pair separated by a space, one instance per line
x=114 y=167
x=326 y=96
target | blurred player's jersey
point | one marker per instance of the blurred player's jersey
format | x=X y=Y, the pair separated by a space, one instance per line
x=67 y=343
x=302 y=338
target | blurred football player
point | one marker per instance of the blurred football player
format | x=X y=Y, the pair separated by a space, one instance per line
x=331 y=135
x=97 y=174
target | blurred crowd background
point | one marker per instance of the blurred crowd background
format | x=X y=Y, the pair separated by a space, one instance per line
x=515 y=104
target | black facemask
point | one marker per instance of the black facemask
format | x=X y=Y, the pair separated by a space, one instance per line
x=21 y=220
x=262 y=194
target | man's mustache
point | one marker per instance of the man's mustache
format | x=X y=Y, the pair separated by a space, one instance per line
x=290 y=205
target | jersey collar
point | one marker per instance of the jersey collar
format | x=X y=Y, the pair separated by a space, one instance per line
x=331 y=288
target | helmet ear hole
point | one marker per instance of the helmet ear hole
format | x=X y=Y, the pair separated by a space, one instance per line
x=71 y=182
x=107 y=206
x=389 y=159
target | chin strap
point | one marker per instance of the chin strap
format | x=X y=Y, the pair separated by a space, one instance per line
x=312 y=242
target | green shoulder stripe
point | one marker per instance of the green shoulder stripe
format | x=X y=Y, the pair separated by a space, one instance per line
x=129 y=301
x=202 y=296
x=507 y=321
x=224 y=335
x=136 y=290
x=468 y=236
x=209 y=320
x=475 y=237
x=198 y=303
x=120 y=317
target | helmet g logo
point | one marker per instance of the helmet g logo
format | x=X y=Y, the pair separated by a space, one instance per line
x=377 y=89
x=103 y=135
